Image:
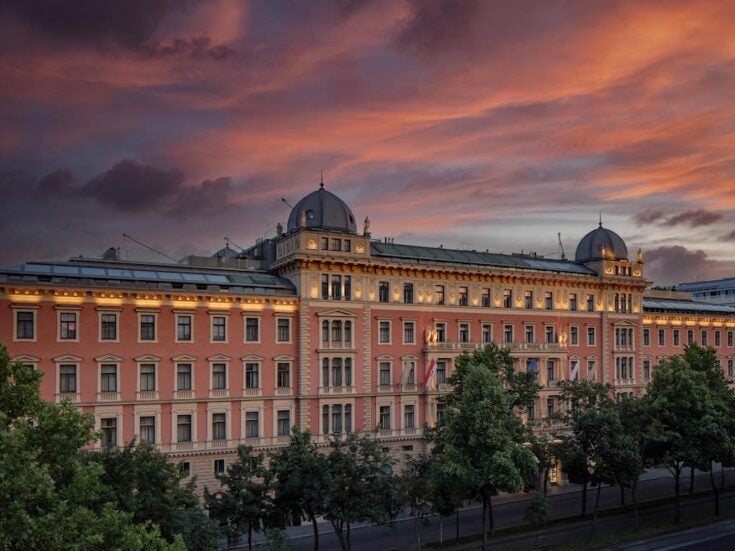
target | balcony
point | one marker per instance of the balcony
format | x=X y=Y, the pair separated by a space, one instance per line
x=458 y=347
x=251 y=392
x=537 y=347
x=337 y=390
x=108 y=396
x=183 y=395
x=183 y=446
x=71 y=396
x=284 y=391
x=218 y=393
x=218 y=444
x=147 y=395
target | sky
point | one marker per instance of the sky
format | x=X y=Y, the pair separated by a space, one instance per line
x=463 y=123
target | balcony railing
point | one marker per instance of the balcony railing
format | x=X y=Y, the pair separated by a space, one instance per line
x=284 y=391
x=337 y=390
x=218 y=393
x=71 y=396
x=147 y=395
x=252 y=392
x=183 y=394
x=454 y=346
x=552 y=347
x=108 y=396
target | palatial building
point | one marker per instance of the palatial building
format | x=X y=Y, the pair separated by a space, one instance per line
x=324 y=328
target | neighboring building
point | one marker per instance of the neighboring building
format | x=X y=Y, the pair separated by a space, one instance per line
x=326 y=329
x=719 y=291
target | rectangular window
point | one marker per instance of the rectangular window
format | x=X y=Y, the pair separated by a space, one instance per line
x=346 y=245
x=441 y=372
x=252 y=329
x=549 y=407
x=528 y=300
x=550 y=371
x=283 y=375
x=348 y=418
x=183 y=428
x=646 y=370
x=661 y=337
x=531 y=412
x=147 y=377
x=717 y=338
x=530 y=334
x=730 y=338
x=337 y=418
x=573 y=302
x=704 y=338
x=183 y=377
x=252 y=375
x=690 y=336
x=325 y=243
x=183 y=328
x=439 y=294
x=336 y=287
x=730 y=369
x=507 y=334
x=185 y=468
x=384 y=421
x=384 y=332
x=384 y=291
x=409 y=416
x=486 y=298
x=336 y=244
x=384 y=374
x=108 y=327
x=487 y=333
x=109 y=432
x=646 y=337
x=219 y=466
x=574 y=335
x=507 y=298
x=148 y=430
x=219 y=426
x=347 y=287
x=25 y=325
x=550 y=338
x=68 y=379
x=284 y=422
x=591 y=336
x=548 y=300
x=219 y=376
x=590 y=303
x=283 y=330
x=409 y=332
x=325 y=286
x=147 y=327
x=591 y=370
x=108 y=381
x=464 y=332
x=68 y=325
x=677 y=337
x=463 y=296
x=408 y=293
x=348 y=371
x=219 y=328
x=441 y=332
x=252 y=424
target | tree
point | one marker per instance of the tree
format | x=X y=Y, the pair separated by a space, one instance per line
x=245 y=503
x=49 y=498
x=416 y=490
x=636 y=422
x=482 y=442
x=141 y=481
x=360 y=486
x=297 y=477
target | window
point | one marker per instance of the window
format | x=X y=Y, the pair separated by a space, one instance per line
x=147 y=327
x=704 y=338
x=147 y=377
x=441 y=371
x=574 y=370
x=252 y=375
x=548 y=300
x=591 y=336
x=549 y=336
x=549 y=407
x=730 y=338
x=410 y=367
x=25 y=325
x=646 y=370
x=717 y=338
x=530 y=334
x=219 y=426
x=68 y=379
x=464 y=332
x=507 y=333
x=325 y=372
x=531 y=412
x=346 y=245
x=463 y=296
x=183 y=377
x=348 y=333
x=336 y=244
x=284 y=422
x=219 y=329
x=252 y=329
x=573 y=302
x=337 y=371
x=384 y=332
x=409 y=416
x=591 y=370
x=409 y=332
x=108 y=378
x=219 y=376
x=337 y=418
x=185 y=468
x=148 y=429
x=441 y=332
x=183 y=328
x=690 y=336
x=590 y=303
x=486 y=298
x=325 y=243
x=487 y=333
x=384 y=420
x=336 y=287
x=439 y=413
x=325 y=286
x=68 y=326
x=408 y=293
x=550 y=370
x=108 y=327
x=219 y=467
x=646 y=337
x=183 y=428
x=384 y=374
x=662 y=337
x=283 y=375
x=574 y=335
x=347 y=281
x=283 y=330
x=729 y=369
x=252 y=424
x=677 y=337
x=348 y=371
x=507 y=298
x=439 y=294
x=384 y=291
x=109 y=431
x=528 y=300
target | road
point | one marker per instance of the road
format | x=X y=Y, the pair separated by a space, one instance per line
x=564 y=502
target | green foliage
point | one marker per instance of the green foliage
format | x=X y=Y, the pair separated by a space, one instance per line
x=537 y=510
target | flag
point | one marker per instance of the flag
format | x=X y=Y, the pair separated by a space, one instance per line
x=532 y=365
x=430 y=372
x=575 y=370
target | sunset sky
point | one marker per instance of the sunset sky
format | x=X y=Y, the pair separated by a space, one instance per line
x=466 y=123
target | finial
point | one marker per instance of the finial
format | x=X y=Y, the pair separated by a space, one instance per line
x=600 y=219
x=321 y=179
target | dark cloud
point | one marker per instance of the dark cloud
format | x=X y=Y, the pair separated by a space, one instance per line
x=197 y=47
x=676 y=264
x=59 y=182
x=729 y=237
x=209 y=197
x=693 y=218
x=439 y=24
x=129 y=24
x=648 y=216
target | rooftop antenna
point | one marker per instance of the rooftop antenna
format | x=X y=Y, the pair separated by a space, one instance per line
x=126 y=236
x=600 y=219
x=561 y=246
x=231 y=242
x=321 y=179
x=286 y=203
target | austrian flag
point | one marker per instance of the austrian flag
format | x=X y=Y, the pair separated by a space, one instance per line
x=430 y=372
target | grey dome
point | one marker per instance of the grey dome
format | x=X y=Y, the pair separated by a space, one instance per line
x=590 y=247
x=322 y=209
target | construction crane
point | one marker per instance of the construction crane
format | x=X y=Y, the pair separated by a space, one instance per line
x=561 y=246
